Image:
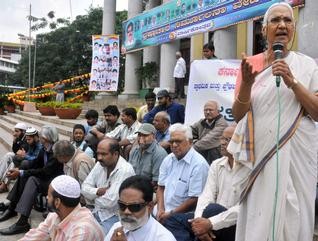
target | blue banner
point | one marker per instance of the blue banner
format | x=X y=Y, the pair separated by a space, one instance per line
x=183 y=18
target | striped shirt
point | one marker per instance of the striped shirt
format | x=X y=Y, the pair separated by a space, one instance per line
x=79 y=225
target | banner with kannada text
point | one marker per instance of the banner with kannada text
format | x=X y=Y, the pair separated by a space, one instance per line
x=211 y=80
x=178 y=19
x=105 y=63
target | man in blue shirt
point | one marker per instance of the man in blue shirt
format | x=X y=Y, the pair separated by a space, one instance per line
x=175 y=110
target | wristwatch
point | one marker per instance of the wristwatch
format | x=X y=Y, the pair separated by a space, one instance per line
x=295 y=82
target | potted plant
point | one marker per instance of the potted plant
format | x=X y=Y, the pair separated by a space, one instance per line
x=9 y=106
x=148 y=74
x=3 y=100
x=66 y=110
x=46 y=108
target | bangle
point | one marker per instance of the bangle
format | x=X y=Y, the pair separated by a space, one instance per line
x=243 y=102
x=295 y=82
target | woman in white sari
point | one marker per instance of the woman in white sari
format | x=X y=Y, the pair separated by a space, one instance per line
x=278 y=190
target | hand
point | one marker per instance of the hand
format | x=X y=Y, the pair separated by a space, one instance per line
x=21 y=153
x=118 y=235
x=101 y=191
x=248 y=75
x=207 y=237
x=280 y=68
x=201 y=226
x=13 y=173
x=164 y=216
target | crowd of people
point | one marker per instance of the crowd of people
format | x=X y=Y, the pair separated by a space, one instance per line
x=147 y=176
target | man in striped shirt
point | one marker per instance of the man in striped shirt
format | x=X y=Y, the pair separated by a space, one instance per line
x=68 y=221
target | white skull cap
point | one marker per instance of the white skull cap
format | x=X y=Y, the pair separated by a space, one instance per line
x=66 y=186
x=21 y=126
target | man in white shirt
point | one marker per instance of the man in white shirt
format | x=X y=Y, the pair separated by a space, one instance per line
x=217 y=206
x=179 y=74
x=102 y=183
x=135 y=206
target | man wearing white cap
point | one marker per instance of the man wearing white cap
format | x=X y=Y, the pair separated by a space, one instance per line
x=6 y=162
x=68 y=221
x=30 y=182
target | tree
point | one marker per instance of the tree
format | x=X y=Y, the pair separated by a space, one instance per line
x=66 y=51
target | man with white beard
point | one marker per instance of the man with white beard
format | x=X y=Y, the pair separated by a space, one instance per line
x=135 y=207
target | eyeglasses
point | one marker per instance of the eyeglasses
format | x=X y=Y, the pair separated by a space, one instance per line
x=226 y=139
x=134 y=207
x=277 y=20
x=178 y=142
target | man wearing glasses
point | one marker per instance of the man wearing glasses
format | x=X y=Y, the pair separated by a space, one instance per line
x=217 y=206
x=135 y=207
x=207 y=132
x=182 y=175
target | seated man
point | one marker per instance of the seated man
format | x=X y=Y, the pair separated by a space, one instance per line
x=67 y=220
x=147 y=156
x=97 y=133
x=31 y=182
x=150 y=99
x=79 y=142
x=182 y=175
x=162 y=123
x=77 y=163
x=126 y=132
x=6 y=161
x=102 y=183
x=135 y=207
x=217 y=206
x=91 y=117
x=175 y=110
x=207 y=132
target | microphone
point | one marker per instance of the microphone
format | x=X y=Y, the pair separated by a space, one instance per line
x=278 y=52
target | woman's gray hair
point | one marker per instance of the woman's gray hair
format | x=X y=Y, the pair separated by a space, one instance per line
x=50 y=133
x=265 y=20
x=181 y=128
x=63 y=148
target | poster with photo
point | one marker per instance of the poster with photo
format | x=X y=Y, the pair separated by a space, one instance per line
x=105 y=63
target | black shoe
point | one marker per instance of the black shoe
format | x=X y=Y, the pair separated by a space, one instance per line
x=7 y=215
x=15 y=229
x=3 y=207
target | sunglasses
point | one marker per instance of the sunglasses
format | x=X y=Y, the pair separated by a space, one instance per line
x=134 y=207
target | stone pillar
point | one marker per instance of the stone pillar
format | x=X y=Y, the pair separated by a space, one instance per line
x=167 y=63
x=152 y=53
x=197 y=42
x=133 y=60
x=109 y=15
x=225 y=43
x=307 y=29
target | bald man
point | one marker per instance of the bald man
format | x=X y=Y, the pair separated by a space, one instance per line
x=217 y=208
x=207 y=132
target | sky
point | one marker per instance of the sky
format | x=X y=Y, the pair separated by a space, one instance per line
x=13 y=17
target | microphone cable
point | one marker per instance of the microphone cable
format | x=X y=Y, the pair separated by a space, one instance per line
x=277 y=159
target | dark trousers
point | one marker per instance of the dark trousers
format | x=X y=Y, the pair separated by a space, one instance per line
x=24 y=192
x=179 y=87
x=179 y=226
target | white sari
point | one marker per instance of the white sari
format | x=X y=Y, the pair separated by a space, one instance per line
x=297 y=160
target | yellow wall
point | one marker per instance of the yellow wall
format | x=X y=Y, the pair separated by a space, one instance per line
x=241 y=39
x=196 y=46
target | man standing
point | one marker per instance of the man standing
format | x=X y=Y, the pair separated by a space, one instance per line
x=182 y=175
x=150 y=98
x=31 y=182
x=217 y=206
x=207 y=132
x=135 y=206
x=175 y=110
x=59 y=88
x=146 y=157
x=102 y=184
x=179 y=75
x=68 y=220
x=162 y=123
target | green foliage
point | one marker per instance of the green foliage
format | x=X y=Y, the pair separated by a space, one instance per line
x=67 y=105
x=46 y=104
x=66 y=51
x=148 y=74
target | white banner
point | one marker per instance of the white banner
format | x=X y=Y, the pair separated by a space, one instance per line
x=105 y=63
x=211 y=80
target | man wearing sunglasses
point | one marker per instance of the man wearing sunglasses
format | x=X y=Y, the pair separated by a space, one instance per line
x=135 y=206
